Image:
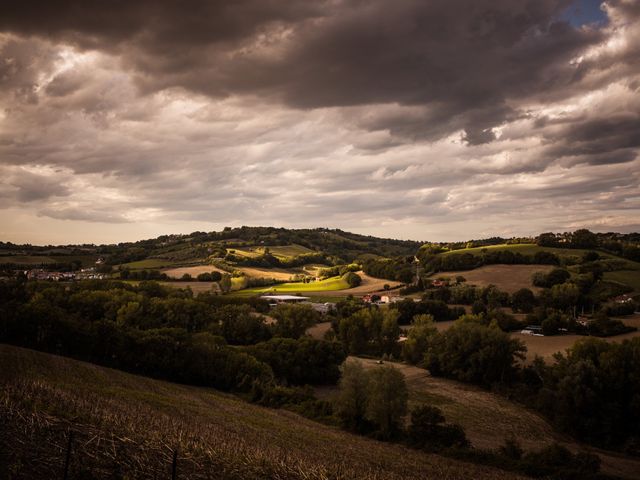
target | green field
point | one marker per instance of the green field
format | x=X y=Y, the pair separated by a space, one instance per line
x=27 y=259
x=532 y=249
x=330 y=284
x=526 y=249
x=282 y=251
x=87 y=260
x=626 y=277
x=127 y=426
x=149 y=263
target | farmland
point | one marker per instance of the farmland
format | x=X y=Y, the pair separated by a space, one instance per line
x=330 y=284
x=526 y=249
x=508 y=278
x=277 y=273
x=194 y=271
x=35 y=260
x=135 y=422
x=148 y=263
x=282 y=251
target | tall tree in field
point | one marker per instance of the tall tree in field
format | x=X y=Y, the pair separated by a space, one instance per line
x=351 y=402
x=387 y=400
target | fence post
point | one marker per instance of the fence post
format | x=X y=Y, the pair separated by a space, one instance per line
x=67 y=459
x=174 y=465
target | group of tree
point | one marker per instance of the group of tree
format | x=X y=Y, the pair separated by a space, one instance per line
x=167 y=333
x=372 y=401
x=400 y=269
x=369 y=330
x=592 y=392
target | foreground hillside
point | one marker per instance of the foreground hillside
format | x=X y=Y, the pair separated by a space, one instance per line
x=128 y=426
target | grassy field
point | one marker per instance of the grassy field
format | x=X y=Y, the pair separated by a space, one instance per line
x=523 y=248
x=282 y=251
x=626 y=277
x=489 y=418
x=194 y=271
x=196 y=287
x=87 y=260
x=149 y=263
x=126 y=426
x=277 y=273
x=330 y=284
x=508 y=278
x=531 y=249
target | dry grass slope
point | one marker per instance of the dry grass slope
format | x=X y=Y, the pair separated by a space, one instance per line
x=127 y=426
x=508 y=278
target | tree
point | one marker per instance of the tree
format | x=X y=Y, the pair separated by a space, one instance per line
x=583 y=238
x=302 y=361
x=370 y=330
x=547 y=240
x=428 y=429
x=353 y=279
x=565 y=296
x=417 y=342
x=225 y=283
x=240 y=326
x=387 y=397
x=293 y=320
x=351 y=402
x=472 y=352
x=523 y=300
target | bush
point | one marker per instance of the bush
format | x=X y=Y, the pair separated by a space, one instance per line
x=427 y=430
x=353 y=279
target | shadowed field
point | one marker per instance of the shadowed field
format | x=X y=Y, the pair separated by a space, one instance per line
x=508 y=278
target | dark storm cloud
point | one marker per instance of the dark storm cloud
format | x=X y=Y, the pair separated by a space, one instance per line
x=463 y=61
x=613 y=137
x=378 y=115
x=33 y=187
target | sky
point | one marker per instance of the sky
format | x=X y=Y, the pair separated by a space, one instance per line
x=429 y=120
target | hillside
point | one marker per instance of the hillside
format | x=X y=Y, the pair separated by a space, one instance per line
x=483 y=265
x=489 y=418
x=508 y=278
x=128 y=426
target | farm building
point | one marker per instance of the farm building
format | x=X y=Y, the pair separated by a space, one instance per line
x=532 y=330
x=278 y=299
x=322 y=307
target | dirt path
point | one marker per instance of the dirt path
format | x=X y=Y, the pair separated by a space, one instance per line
x=178 y=272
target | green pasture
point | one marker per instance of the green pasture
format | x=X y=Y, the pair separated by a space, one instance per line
x=328 y=285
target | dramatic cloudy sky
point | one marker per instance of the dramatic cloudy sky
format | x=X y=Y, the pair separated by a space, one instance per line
x=422 y=119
